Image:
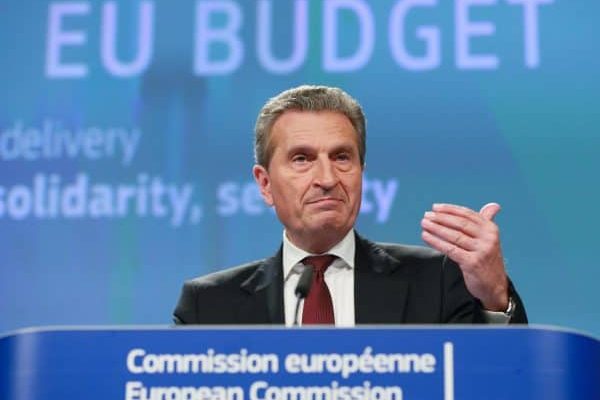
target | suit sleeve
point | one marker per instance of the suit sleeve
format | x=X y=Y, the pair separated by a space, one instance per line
x=520 y=315
x=459 y=306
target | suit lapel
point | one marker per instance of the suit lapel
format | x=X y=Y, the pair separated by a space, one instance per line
x=264 y=289
x=379 y=294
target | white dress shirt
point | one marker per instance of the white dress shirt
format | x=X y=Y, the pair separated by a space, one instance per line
x=339 y=278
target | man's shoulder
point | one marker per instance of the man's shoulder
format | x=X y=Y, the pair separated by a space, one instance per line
x=230 y=276
x=216 y=298
x=399 y=251
x=405 y=260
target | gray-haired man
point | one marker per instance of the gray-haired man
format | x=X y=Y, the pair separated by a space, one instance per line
x=310 y=154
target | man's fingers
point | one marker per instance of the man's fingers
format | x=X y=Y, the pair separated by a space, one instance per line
x=457 y=254
x=462 y=224
x=452 y=236
x=454 y=209
x=489 y=211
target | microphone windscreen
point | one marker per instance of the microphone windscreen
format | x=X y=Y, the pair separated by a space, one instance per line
x=304 y=282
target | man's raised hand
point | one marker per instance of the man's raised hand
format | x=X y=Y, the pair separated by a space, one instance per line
x=472 y=240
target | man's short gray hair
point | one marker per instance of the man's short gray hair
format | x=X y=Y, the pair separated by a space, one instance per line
x=306 y=98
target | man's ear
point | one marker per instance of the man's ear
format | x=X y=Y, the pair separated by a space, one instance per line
x=261 y=176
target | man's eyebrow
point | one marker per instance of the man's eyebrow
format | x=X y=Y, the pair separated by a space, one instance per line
x=347 y=148
x=300 y=148
x=306 y=149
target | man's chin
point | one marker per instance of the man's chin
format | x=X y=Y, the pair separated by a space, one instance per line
x=320 y=234
x=332 y=225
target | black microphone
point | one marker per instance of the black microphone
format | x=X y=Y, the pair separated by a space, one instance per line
x=302 y=289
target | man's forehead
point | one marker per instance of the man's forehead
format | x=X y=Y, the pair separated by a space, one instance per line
x=297 y=122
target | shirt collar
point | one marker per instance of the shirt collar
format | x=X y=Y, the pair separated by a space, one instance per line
x=344 y=250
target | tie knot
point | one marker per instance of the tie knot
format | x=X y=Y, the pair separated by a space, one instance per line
x=320 y=263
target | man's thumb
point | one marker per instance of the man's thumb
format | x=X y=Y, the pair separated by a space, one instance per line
x=489 y=211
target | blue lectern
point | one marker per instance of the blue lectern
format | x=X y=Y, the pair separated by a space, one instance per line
x=263 y=363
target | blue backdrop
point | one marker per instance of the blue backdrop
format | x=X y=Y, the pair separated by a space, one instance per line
x=126 y=140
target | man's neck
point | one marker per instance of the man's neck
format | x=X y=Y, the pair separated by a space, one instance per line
x=292 y=254
x=317 y=244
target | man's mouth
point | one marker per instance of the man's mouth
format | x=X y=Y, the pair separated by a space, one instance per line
x=325 y=200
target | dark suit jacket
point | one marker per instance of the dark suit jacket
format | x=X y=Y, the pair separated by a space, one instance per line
x=393 y=284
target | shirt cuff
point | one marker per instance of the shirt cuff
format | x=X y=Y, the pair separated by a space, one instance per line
x=496 y=317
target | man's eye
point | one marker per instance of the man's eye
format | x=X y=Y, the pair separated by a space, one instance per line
x=299 y=158
x=342 y=157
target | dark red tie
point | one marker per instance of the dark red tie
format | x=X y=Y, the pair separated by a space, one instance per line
x=318 y=308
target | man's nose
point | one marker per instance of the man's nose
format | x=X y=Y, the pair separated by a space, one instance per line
x=325 y=174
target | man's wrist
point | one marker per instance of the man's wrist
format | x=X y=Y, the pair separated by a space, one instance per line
x=502 y=317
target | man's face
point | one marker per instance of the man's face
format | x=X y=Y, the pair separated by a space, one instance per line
x=314 y=177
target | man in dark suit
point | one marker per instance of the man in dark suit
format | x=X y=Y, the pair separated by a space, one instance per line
x=310 y=153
